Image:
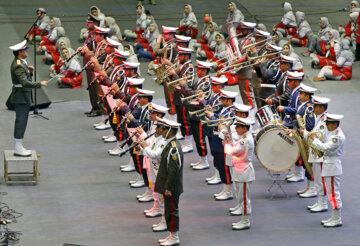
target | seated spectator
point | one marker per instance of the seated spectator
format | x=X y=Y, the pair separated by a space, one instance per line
x=96 y=13
x=188 y=24
x=49 y=41
x=287 y=25
x=342 y=70
x=316 y=42
x=140 y=24
x=331 y=50
x=42 y=26
x=234 y=17
x=348 y=31
x=207 y=50
x=145 y=50
x=303 y=31
x=70 y=72
x=114 y=28
x=288 y=50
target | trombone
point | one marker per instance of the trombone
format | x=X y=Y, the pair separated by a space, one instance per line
x=194 y=96
x=201 y=112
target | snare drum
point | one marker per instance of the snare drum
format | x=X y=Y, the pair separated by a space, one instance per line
x=267 y=114
x=275 y=150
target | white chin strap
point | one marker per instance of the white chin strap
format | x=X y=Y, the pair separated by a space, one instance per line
x=166 y=136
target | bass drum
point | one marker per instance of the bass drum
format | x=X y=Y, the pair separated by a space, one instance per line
x=275 y=150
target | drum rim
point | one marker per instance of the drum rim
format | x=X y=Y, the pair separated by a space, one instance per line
x=274 y=170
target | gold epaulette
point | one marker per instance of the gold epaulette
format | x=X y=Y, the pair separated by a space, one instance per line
x=173 y=144
x=18 y=62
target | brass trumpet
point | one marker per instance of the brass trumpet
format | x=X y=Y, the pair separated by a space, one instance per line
x=201 y=112
x=177 y=81
x=216 y=122
x=194 y=96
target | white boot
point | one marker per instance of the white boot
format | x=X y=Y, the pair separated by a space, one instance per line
x=203 y=164
x=156 y=212
x=237 y=211
x=145 y=193
x=147 y=197
x=214 y=176
x=20 y=150
x=298 y=175
x=305 y=189
x=243 y=224
x=215 y=180
x=187 y=146
x=321 y=205
x=103 y=126
x=173 y=240
x=226 y=195
x=311 y=191
x=179 y=136
x=234 y=208
x=335 y=220
x=161 y=226
x=108 y=136
x=110 y=139
x=138 y=177
x=138 y=184
x=128 y=167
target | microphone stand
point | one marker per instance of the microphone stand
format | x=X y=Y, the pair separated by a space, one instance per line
x=36 y=112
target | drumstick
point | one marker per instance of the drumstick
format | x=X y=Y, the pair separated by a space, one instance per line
x=281 y=111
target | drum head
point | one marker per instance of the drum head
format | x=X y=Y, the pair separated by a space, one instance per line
x=277 y=151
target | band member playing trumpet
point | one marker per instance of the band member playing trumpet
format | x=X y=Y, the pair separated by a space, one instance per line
x=241 y=150
x=203 y=84
x=333 y=146
x=217 y=84
x=316 y=158
x=217 y=149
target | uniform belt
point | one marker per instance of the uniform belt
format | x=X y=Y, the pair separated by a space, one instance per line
x=268 y=86
x=17 y=85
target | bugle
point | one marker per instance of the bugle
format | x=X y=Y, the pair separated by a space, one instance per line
x=194 y=96
x=135 y=144
x=216 y=122
x=177 y=81
x=201 y=112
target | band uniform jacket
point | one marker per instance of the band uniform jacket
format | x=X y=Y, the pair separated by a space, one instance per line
x=333 y=147
x=170 y=174
x=22 y=84
x=320 y=126
x=241 y=152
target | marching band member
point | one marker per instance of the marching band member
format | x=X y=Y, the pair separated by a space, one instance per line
x=217 y=149
x=241 y=150
x=217 y=84
x=21 y=76
x=152 y=154
x=169 y=180
x=283 y=89
x=202 y=83
x=333 y=146
x=316 y=187
x=305 y=111
x=185 y=68
x=111 y=45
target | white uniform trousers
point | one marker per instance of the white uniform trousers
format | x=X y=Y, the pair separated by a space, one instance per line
x=242 y=190
x=318 y=179
x=333 y=191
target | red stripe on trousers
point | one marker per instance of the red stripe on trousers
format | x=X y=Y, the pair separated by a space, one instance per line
x=248 y=93
x=226 y=171
x=201 y=140
x=300 y=161
x=138 y=163
x=172 y=214
x=244 y=197
x=187 y=132
x=333 y=193
x=172 y=103
x=323 y=180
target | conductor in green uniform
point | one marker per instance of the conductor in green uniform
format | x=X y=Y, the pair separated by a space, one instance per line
x=169 y=180
x=21 y=76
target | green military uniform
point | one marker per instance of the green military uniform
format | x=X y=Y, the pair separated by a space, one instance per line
x=170 y=177
x=21 y=94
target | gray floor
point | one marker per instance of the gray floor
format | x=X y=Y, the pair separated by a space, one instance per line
x=82 y=197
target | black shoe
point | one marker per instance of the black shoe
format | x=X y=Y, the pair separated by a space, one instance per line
x=93 y=114
x=87 y=113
